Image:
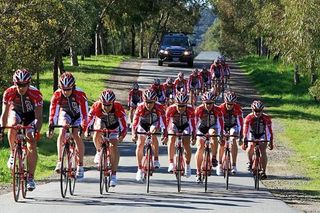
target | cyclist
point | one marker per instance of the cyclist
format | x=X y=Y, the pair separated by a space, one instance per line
x=206 y=79
x=149 y=117
x=217 y=76
x=158 y=89
x=194 y=85
x=169 y=91
x=106 y=113
x=68 y=106
x=180 y=83
x=225 y=68
x=22 y=104
x=233 y=122
x=135 y=97
x=209 y=121
x=180 y=119
x=257 y=126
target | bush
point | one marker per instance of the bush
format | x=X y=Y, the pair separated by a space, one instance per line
x=315 y=90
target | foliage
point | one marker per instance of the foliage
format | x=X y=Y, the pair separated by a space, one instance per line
x=315 y=90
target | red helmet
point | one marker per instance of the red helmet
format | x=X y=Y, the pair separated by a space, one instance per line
x=21 y=76
x=107 y=96
x=182 y=98
x=66 y=81
x=230 y=97
x=208 y=97
x=257 y=106
x=149 y=95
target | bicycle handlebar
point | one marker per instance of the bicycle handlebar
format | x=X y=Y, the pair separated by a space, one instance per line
x=103 y=130
x=19 y=127
x=210 y=136
x=179 y=134
x=66 y=126
x=148 y=133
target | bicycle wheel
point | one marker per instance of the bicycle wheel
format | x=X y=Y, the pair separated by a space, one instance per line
x=179 y=166
x=148 y=167
x=64 y=178
x=73 y=162
x=25 y=170
x=107 y=171
x=256 y=174
x=227 y=167
x=103 y=168
x=207 y=167
x=16 y=173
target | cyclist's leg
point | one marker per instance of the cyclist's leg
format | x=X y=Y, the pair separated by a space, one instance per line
x=187 y=149
x=114 y=155
x=32 y=152
x=234 y=147
x=64 y=119
x=80 y=145
x=264 y=158
x=131 y=113
x=250 y=149
x=199 y=154
x=171 y=148
x=13 y=119
x=214 y=146
x=139 y=150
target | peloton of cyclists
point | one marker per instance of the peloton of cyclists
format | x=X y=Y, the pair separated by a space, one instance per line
x=134 y=98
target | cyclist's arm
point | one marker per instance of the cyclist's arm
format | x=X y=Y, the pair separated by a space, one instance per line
x=53 y=108
x=129 y=98
x=123 y=120
x=4 y=114
x=38 y=115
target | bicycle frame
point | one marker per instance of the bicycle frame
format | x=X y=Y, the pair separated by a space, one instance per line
x=20 y=166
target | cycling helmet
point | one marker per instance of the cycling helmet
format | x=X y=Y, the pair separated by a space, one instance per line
x=156 y=81
x=182 y=98
x=107 y=96
x=135 y=86
x=208 y=97
x=230 y=97
x=180 y=75
x=21 y=76
x=257 y=105
x=204 y=69
x=194 y=72
x=169 y=81
x=66 y=81
x=149 y=95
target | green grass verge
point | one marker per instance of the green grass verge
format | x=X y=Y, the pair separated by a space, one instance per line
x=295 y=109
x=90 y=77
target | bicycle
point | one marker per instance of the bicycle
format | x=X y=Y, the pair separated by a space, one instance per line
x=217 y=86
x=179 y=163
x=257 y=165
x=206 y=166
x=226 y=161
x=105 y=166
x=147 y=162
x=20 y=165
x=69 y=161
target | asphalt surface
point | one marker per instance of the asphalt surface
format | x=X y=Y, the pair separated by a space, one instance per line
x=131 y=196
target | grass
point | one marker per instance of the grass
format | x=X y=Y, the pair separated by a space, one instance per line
x=293 y=107
x=90 y=77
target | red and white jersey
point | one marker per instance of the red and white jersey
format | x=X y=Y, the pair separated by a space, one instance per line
x=195 y=82
x=180 y=120
x=75 y=105
x=205 y=118
x=232 y=117
x=144 y=117
x=135 y=96
x=257 y=126
x=159 y=91
x=180 y=85
x=22 y=103
x=206 y=76
x=226 y=69
x=113 y=119
x=216 y=71
x=169 y=90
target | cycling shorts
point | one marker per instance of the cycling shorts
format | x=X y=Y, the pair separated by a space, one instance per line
x=99 y=124
x=24 y=119
x=184 y=129
x=65 y=118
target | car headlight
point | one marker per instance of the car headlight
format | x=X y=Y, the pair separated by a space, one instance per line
x=165 y=52
x=187 y=52
x=161 y=51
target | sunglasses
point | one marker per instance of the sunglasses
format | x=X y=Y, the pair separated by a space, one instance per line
x=67 y=89
x=257 y=111
x=209 y=103
x=149 y=102
x=107 y=105
x=230 y=104
x=22 y=85
x=182 y=105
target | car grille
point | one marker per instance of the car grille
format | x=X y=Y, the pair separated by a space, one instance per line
x=176 y=53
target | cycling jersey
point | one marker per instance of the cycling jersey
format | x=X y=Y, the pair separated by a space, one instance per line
x=23 y=105
x=194 y=82
x=135 y=97
x=209 y=119
x=180 y=85
x=216 y=71
x=75 y=106
x=258 y=126
x=160 y=92
x=146 y=119
x=226 y=70
x=232 y=117
x=169 y=90
x=206 y=77
x=116 y=118
x=180 y=121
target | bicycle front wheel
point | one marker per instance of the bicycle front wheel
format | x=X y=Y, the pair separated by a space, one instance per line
x=227 y=167
x=103 y=168
x=24 y=175
x=16 y=173
x=148 y=167
x=206 y=169
x=73 y=162
x=179 y=168
x=256 y=174
x=64 y=178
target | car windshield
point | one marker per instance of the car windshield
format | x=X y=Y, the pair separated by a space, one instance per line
x=175 y=41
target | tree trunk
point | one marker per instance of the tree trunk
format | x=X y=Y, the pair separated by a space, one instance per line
x=133 y=37
x=141 y=40
x=101 y=39
x=55 y=73
x=97 y=36
x=296 y=77
x=38 y=80
x=74 y=58
x=313 y=73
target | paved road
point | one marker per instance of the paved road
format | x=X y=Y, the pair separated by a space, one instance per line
x=130 y=196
